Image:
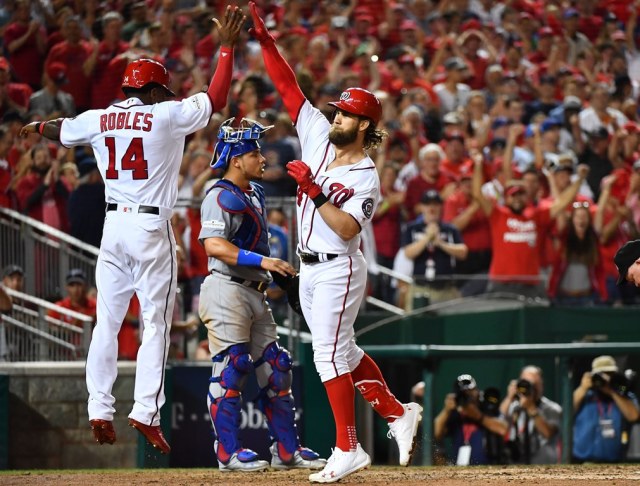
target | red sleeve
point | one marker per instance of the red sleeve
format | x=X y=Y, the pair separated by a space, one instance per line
x=452 y=208
x=284 y=79
x=221 y=82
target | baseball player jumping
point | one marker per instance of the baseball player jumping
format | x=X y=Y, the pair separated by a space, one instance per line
x=338 y=190
x=233 y=306
x=138 y=144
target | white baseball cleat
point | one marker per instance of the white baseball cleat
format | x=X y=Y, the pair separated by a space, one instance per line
x=243 y=460
x=405 y=429
x=303 y=458
x=341 y=464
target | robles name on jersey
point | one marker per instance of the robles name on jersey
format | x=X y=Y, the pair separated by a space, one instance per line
x=126 y=121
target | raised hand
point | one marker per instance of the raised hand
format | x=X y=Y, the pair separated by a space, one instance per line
x=302 y=174
x=229 y=29
x=259 y=31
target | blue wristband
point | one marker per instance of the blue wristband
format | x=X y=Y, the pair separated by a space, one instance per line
x=249 y=259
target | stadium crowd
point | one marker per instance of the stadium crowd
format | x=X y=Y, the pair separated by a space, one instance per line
x=513 y=148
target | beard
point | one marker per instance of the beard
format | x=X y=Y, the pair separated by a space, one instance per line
x=340 y=138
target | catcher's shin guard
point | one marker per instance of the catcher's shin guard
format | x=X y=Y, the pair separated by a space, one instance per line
x=229 y=375
x=276 y=400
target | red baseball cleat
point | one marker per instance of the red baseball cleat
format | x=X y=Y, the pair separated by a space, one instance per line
x=103 y=431
x=153 y=434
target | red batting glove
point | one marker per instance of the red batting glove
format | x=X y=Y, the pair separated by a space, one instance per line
x=259 y=31
x=302 y=174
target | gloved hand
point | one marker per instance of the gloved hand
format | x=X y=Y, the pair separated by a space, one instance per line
x=302 y=174
x=259 y=31
x=291 y=285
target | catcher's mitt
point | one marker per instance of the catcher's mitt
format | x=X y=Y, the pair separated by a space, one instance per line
x=291 y=286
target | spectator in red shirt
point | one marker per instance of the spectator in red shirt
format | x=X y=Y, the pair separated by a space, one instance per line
x=430 y=176
x=76 y=300
x=516 y=234
x=456 y=161
x=41 y=194
x=106 y=71
x=463 y=212
x=24 y=41
x=74 y=52
x=13 y=96
x=387 y=220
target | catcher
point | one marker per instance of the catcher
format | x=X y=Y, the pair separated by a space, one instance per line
x=241 y=329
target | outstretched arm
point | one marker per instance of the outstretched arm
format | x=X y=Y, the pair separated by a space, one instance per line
x=279 y=71
x=229 y=32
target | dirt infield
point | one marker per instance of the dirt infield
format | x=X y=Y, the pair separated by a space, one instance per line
x=618 y=475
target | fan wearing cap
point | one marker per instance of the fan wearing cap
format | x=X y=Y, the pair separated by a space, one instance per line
x=77 y=299
x=473 y=421
x=434 y=247
x=139 y=144
x=604 y=409
x=578 y=42
x=51 y=99
x=453 y=93
x=516 y=233
x=338 y=193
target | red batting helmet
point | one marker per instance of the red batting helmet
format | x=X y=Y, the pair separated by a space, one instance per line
x=361 y=102
x=144 y=71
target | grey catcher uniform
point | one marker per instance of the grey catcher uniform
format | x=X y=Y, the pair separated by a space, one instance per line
x=233 y=306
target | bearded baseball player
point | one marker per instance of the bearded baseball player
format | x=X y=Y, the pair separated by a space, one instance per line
x=233 y=306
x=138 y=144
x=337 y=195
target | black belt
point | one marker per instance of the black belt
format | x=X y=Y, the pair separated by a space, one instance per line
x=141 y=209
x=315 y=258
x=252 y=284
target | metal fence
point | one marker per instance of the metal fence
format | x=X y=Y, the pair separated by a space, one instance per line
x=29 y=333
x=45 y=254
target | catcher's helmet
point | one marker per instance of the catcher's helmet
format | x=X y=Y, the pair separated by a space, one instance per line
x=235 y=141
x=144 y=71
x=361 y=102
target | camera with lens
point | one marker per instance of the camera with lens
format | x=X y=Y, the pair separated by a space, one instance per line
x=618 y=382
x=524 y=388
x=461 y=387
x=490 y=402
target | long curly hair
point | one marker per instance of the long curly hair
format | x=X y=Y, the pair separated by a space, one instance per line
x=373 y=136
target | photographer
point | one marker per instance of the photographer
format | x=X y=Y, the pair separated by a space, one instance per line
x=535 y=420
x=473 y=422
x=604 y=408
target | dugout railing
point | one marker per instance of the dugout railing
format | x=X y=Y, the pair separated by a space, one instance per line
x=429 y=357
x=28 y=333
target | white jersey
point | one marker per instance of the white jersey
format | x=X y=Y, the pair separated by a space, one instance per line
x=354 y=188
x=139 y=147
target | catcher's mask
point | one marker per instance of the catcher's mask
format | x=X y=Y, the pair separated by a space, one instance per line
x=236 y=141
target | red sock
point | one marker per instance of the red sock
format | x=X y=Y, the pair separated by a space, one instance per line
x=369 y=381
x=342 y=399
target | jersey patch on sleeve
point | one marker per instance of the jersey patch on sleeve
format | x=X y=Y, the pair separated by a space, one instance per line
x=214 y=224
x=196 y=102
x=367 y=207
